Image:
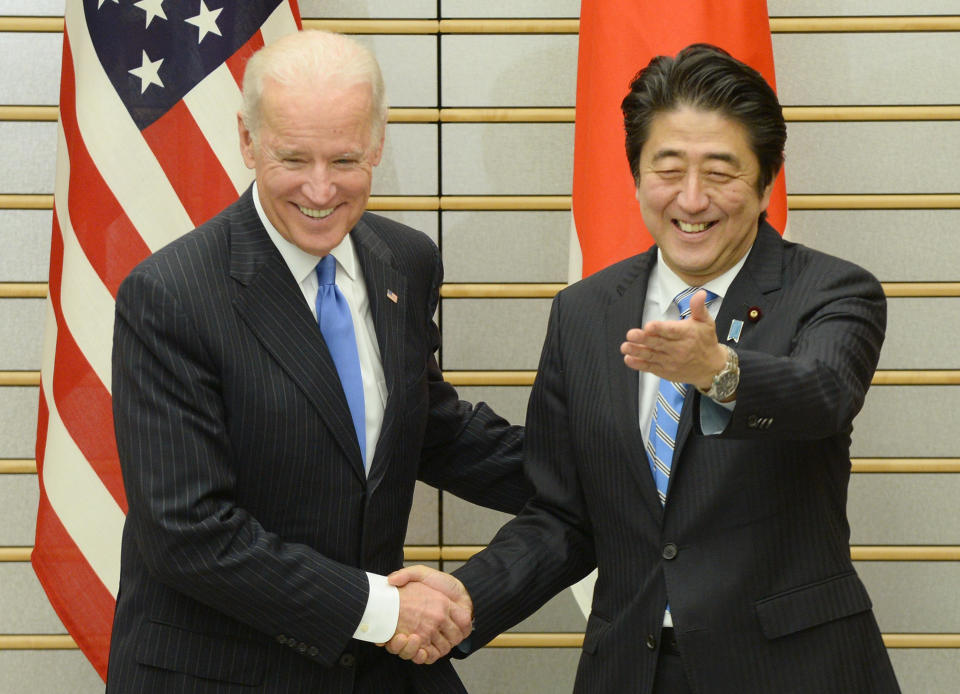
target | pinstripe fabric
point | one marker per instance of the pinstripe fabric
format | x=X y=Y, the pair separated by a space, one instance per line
x=251 y=520
x=752 y=545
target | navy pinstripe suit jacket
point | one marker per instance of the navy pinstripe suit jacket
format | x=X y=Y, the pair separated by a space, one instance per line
x=752 y=547
x=251 y=521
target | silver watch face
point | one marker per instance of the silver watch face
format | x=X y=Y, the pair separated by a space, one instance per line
x=725 y=384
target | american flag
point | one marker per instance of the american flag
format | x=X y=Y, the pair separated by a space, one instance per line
x=147 y=150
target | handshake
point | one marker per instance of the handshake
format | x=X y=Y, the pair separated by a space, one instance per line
x=436 y=614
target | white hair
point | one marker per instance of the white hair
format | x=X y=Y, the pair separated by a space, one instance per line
x=308 y=58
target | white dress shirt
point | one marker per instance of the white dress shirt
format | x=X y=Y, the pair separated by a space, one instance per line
x=379 y=621
x=662 y=286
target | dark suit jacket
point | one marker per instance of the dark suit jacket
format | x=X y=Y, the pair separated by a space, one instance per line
x=752 y=546
x=251 y=521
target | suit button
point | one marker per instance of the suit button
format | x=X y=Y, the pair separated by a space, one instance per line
x=752 y=421
x=651 y=642
x=669 y=551
x=282 y=640
x=347 y=660
x=313 y=651
x=301 y=647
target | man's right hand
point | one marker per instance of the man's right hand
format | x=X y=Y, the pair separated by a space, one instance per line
x=436 y=613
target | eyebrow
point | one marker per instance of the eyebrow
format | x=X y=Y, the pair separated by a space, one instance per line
x=715 y=156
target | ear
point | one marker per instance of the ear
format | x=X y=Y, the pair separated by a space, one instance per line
x=378 y=152
x=246 y=143
x=767 y=192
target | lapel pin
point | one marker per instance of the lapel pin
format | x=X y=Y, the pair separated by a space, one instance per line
x=754 y=314
x=736 y=327
x=392 y=295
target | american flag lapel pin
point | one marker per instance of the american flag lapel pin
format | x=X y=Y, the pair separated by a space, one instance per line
x=392 y=295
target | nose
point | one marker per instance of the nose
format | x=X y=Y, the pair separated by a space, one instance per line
x=319 y=186
x=692 y=197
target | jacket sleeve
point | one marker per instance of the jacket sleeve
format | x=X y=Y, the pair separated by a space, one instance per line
x=548 y=546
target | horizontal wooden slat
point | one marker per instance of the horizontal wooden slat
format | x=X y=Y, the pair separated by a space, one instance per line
x=15 y=553
x=529 y=290
x=932 y=377
x=905 y=465
x=19 y=378
x=514 y=640
x=568 y=114
x=23 y=290
x=16 y=466
x=421 y=553
x=892 y=201
x=859 y=466
x=778 y=25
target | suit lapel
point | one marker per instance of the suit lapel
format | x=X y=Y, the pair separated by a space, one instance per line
x=272 y=306
x=626 y=312
x=387 y=293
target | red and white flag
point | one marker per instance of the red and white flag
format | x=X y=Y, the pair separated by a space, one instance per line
x=617 y=38
x=147 y=150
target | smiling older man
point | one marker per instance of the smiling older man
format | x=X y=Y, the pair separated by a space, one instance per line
x=276 y=397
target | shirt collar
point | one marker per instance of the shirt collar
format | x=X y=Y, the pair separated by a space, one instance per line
x=301 y=263
x=666 y=284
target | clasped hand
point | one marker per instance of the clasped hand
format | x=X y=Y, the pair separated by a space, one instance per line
x=436 y=614
x=682 y=351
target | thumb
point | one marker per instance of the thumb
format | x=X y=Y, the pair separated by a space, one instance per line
x=402 y=577
x=698 y=307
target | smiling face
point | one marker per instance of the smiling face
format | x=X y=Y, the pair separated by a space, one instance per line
x=314 y=160
x=698 y=192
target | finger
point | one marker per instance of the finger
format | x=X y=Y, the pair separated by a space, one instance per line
x=399 y=578
x=410 y=648
x=698 y=307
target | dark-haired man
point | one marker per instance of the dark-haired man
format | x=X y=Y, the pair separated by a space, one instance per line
x=710 y=488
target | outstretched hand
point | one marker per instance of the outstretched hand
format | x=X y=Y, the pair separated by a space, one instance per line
x=683 y=351
x=436 y=613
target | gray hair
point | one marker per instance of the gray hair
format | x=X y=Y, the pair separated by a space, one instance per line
x=312 y=57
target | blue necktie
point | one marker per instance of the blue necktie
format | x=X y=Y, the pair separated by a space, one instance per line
x=336 y=325
x=666 y=412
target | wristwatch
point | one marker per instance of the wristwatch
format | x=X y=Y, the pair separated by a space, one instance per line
x=725 y=382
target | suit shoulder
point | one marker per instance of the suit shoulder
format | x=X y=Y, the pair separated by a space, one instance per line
x=801 y=259
x=608 y=283
x=398 y=236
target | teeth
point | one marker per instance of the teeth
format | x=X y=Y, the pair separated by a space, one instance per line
x=316 y=214
x=690 y=228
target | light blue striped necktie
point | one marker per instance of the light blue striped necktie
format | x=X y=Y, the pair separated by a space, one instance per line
x=336 y=325
x=666 y=412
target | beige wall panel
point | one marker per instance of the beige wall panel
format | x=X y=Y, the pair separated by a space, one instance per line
x=908 y=421
x=506 y=246
x=409 y=163
x=904 y=509
x=47 y=672
x=509 y=8
x=916 y=334
x=423 y=528
x=18 y=422
x=362 y=9
x=31 y=68
x=21 y=338
x=510 y=402
x=409 y=66
x=28 y=151
x=19 y=496
x=509 y=70
x=900 y=157
x=24 y=608
x=33 y=8
x=869 y=68
x=913 y=597
x=493 y=333
x=507 y=159
x=828 y=8
x=467 y=524
x=895 y=245
x=519 y=670
x=25 y=245
x=926 y=670
x=427 y=222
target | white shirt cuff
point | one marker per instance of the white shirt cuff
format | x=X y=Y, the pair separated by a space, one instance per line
x=380 y=618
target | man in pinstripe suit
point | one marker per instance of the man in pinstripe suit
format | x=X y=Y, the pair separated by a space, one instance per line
x=734 y=575
x=261 y=522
